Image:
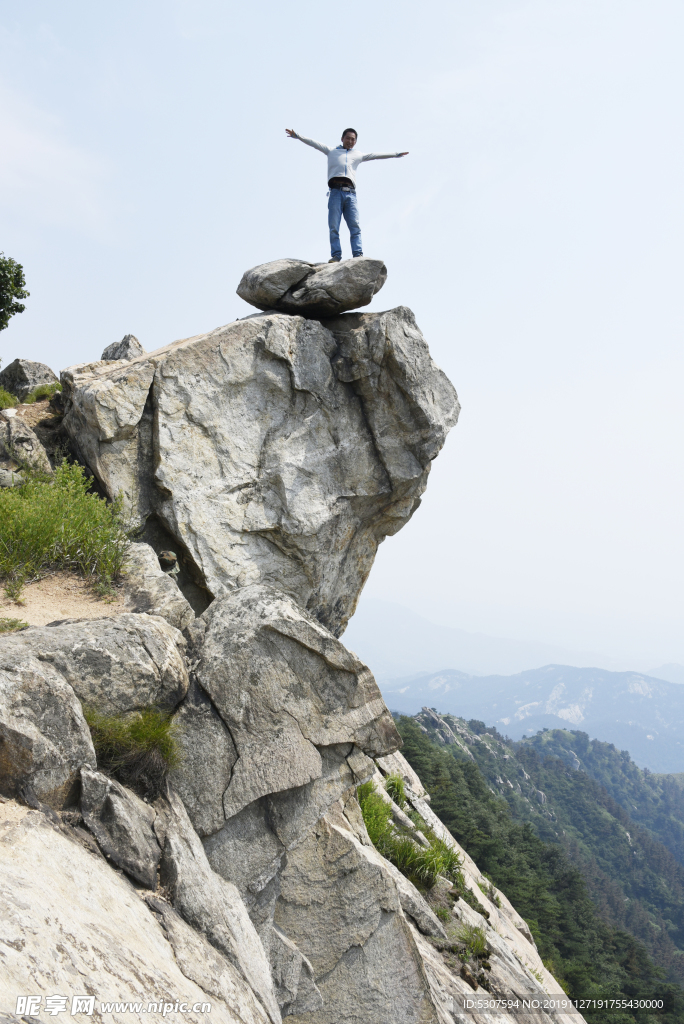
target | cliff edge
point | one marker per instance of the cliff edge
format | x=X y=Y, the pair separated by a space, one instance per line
x=273 y=455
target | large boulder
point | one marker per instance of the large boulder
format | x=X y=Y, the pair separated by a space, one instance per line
x=114 y=665
x=128 y=348
x=274 y=450
x=313 y=289
x=23 y=376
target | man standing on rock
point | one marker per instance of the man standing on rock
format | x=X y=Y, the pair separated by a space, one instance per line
x=342 y=164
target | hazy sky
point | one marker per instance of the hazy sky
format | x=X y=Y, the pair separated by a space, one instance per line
x=537 y=230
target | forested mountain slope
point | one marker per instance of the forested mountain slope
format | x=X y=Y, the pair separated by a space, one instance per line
x=654 y=801
x=603 y=897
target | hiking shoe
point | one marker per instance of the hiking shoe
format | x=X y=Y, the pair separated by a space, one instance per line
x=335 y=259
x=357 y=254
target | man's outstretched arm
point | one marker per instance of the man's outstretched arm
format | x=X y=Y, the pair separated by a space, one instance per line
x=311 y=142
x=381 y=156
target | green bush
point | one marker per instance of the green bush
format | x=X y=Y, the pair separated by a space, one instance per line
x=53 y=522
x=43 y=391
x=394 y=784
x=419 y=863
x=138 y=750
x=12 y=625
x=7 y=401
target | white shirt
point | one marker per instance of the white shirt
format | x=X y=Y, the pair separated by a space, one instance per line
x=342 y=163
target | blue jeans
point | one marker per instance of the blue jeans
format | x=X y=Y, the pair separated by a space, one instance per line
x=343 y=204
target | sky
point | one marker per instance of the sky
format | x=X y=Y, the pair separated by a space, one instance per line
x=536 y=229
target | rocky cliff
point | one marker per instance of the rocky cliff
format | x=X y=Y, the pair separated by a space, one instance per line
x=273 y=455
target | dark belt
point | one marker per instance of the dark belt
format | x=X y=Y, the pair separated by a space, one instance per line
x=341 y=183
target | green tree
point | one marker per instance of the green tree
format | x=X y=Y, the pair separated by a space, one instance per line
x=11 y=289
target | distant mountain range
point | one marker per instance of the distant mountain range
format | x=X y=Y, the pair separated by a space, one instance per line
x=636 y=712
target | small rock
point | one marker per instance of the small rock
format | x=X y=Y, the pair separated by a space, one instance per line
x=116 y=665
x=10 y=479
x=128 y=348
x=19 y=444
x=149 y=589
x=8 y=413
x=23 y=376
x=468 y=976
x=313 y=289
x=44 y=738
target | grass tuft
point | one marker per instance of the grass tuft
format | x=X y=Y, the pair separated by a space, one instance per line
x=12 y=625
x=42 y=391
x=394 y=784
x=53 y=522
x=419 y=863
x=474 y=939
x=7 y=401
x=139 y=750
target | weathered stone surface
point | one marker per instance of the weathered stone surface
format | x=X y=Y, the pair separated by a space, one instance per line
x=207 y=763
x=20 y=447
x=199 y=961
x=71 y=926
x=247 y=853
x=249 y=848
x=347 y=814
x=313 y=289
x=273 y=450
x=207 y=902
x=44 y=738
x=128 y=348
x=284 y=686
x=23 y=376
x=114 y=664
x=149 y=589
x=296 y=990
x=123 y=826
x=340 y=906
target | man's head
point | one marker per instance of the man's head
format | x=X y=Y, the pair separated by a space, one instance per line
x=349 y=138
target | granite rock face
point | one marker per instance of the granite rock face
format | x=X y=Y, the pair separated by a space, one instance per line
x=123 y=826
x=285 y=687
x=313 y=289
x=209 y=903
x=128 y=348
x=99 y=937
x=339 y=904
x=272 y=456
x=23 y=376
x=275 y=450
